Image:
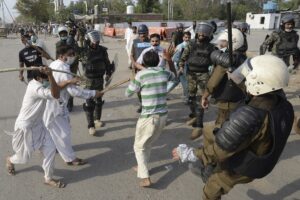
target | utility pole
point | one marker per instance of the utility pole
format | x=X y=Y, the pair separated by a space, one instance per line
x=3 y=14
x=170 y=9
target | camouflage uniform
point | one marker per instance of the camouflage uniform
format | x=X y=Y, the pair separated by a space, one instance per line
x=197 y=57
x=283 y=45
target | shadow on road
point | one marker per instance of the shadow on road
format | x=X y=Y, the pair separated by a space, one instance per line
x=281 y=194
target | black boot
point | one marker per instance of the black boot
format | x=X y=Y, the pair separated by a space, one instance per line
x=198 y=124
x=89 y=112
x=98 y=113
x=191 y=103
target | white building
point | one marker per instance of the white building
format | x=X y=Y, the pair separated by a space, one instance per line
x=263 y=21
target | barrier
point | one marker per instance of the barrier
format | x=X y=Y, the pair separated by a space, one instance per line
x=111 y=32
x=164 y=32
x=120 y=32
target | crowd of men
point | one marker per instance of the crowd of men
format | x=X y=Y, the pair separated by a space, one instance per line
x=254 y=118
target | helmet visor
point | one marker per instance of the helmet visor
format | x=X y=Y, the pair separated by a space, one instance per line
x=241 y=72
x=204 y=29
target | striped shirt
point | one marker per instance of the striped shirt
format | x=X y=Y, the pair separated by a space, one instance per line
x=152 y=83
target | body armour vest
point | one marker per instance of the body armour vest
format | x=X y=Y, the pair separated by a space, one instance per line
x=288 y=44
x=139 y=46
x=93 y=62
x=227 y=90
x=199 y=58
x=246 y=163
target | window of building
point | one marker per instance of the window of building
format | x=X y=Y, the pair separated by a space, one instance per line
x=262 y=20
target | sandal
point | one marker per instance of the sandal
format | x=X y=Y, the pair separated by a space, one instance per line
x=55 y=183
x=77 y=162
x=10 y=167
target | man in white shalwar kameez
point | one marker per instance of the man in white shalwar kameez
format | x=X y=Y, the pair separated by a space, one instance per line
x=30 y=133
x=127 y=36
x=56 y=117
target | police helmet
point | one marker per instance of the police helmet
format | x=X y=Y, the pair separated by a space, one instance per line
x=243 y=26
x=143 y=29
x=205 y=28
x=93 y=36
x=179 y=25
x=237 y=38
x=287 y=18
x=259 y=82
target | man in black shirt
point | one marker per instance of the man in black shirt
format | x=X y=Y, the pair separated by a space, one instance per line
x=28 y=56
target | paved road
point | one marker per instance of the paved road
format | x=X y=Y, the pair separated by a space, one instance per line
x=108 y=176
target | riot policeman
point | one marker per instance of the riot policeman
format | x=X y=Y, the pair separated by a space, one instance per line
x=249 y=144
x=283 y=42
x=197 y=56
x=226 y=93
x=95 y=64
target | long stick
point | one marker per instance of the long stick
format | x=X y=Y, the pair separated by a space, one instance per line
x=116 y=85
x=229 y=26
x=35 y=68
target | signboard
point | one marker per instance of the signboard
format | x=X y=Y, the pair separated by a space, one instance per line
x=104 y=9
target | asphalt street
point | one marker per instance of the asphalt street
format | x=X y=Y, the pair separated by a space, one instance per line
x=108 y=174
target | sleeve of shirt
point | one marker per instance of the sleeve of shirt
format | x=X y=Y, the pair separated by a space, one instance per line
x=44 y=93
x=184 y=56
x=133 y=87
x=76 y=91
x=171 y=76
x=215 y=79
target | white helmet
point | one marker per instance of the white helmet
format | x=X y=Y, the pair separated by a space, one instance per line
x=263 y=74
x=237 y=38
x=61 y=29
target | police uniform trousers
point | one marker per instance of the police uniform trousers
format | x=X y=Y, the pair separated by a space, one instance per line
x=93 y=107
x=196 y=87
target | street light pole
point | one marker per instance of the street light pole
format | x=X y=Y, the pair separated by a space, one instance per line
x=3 y=15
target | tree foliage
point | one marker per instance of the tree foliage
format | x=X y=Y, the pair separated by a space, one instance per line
x=148 y=6
x=43 y=10
x=35 y=10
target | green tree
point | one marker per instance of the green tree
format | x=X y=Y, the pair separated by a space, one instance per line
x=148 y=6
x=35 y=10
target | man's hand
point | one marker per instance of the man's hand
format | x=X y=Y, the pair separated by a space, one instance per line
x=46 y=70
x=21 y=77
x=99 y=94
x=171 y=49
x=166 y=55
x=184 y=153
x=204 y=102
x=75 y=80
